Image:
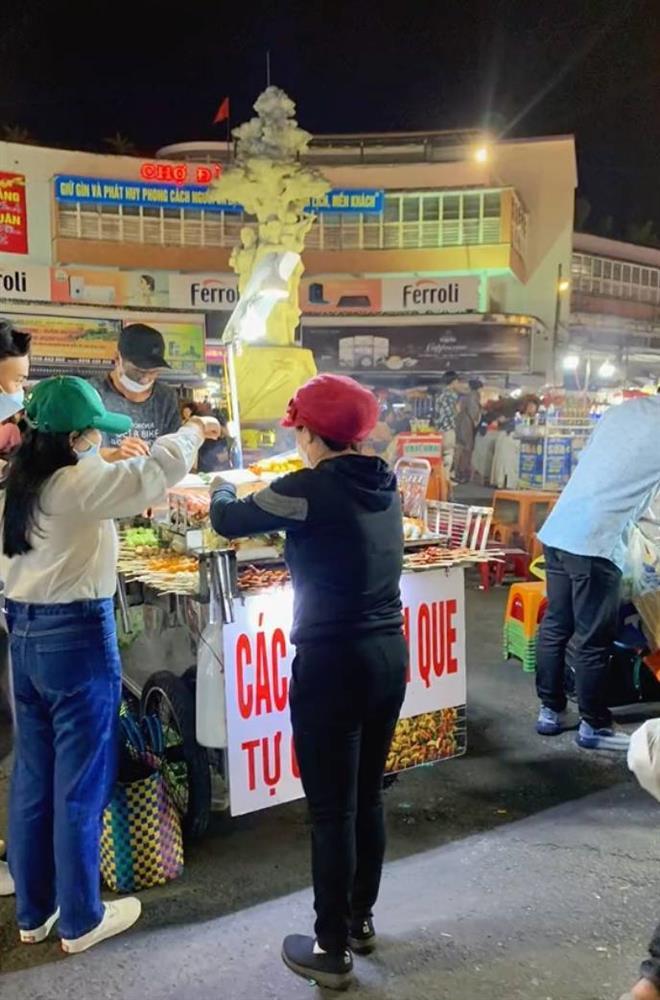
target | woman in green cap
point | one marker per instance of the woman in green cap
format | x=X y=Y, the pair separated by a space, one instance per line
x=59 y=549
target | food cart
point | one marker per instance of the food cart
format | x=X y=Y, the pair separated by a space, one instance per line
x=204 y=636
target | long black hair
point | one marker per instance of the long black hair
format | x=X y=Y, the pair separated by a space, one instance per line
x=39 y=455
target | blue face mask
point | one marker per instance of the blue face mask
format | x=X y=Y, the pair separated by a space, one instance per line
x=11 y=403
x=92 y=450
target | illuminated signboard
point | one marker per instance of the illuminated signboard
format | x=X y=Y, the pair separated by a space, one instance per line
x=13 y=214
x=172 y=193
x=181 y=173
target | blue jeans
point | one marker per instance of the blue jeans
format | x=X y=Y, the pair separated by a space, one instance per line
x=67 y=690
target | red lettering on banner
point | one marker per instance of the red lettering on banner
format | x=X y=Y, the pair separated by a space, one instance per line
x=263 y=687
x=438 y=636
x=280 y=684
x=268 y=691
x=436 y=639
x=452 y=662
x=272 y=778
x=250 y=747
x=245 y=692
x=424 y=644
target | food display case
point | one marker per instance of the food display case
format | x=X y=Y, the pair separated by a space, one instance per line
x=204 y=631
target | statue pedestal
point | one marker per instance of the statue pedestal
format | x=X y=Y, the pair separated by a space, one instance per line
x=267 y=378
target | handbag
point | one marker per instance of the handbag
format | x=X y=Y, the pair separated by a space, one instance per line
x=141 y=839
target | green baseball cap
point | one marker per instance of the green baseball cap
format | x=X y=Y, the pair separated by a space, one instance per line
x=66 y=403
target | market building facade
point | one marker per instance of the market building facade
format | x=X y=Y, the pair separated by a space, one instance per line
x=430 y=251
x=615 y=305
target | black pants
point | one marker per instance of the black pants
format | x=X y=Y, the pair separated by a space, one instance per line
x=578 y=630
x=345 y=702
x=651 y=967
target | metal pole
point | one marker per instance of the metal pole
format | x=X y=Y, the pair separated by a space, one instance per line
x=555 y=331
x=268 y=68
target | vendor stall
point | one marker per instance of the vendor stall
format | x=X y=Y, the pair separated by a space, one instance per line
x=204 y=636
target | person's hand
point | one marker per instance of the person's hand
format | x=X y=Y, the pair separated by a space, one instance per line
x=218 y=481
x=131 y=447
x=209 y=427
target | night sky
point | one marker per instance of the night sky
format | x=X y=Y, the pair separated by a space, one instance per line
x=74 y=73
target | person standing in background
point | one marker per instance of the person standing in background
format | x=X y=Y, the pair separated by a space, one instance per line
x=467 y=421
x=132 y=388
x=446 y=412
x=584 y=540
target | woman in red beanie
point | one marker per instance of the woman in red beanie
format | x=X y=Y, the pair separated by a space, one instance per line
x=344 y=549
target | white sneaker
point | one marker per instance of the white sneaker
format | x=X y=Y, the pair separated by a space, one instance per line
x=40 y=934
x=117 y=918
x=7 y=887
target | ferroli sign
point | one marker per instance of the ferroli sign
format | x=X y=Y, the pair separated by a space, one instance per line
x=208 y=292
x=433 y=295
x=27 y=284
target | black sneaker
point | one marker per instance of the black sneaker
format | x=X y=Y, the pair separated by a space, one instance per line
x=335 y=972
x=362 y=937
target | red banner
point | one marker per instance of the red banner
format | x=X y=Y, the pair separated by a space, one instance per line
x=13 y=214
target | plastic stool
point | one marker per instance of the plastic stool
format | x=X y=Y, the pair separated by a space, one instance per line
x=525 y=608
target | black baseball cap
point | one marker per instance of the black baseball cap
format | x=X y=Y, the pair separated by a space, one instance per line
x=143 y=346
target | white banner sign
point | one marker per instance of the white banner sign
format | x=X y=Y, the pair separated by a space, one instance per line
x=208 y=292
x=26 y=284
x=430 y=295
x=257 y=654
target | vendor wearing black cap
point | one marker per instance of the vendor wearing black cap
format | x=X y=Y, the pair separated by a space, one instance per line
x=344 y=549
x=132 y=387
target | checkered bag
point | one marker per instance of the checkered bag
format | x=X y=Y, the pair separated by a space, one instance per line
x=141 y=842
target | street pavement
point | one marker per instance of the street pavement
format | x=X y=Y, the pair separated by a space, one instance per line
x=525 y=871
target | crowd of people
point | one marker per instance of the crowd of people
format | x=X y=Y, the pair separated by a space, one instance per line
x=89 y=453
x=477 y=433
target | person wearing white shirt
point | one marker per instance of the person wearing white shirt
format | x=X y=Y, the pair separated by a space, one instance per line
x=59 y=549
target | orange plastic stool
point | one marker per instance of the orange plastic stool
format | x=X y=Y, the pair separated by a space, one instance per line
x=524 y=604
x=524 y=610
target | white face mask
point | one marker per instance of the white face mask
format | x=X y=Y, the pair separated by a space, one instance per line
x=132 y=386
x=94 y=448
x=11 y=403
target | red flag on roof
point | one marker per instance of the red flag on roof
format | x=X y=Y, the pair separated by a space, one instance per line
x=222 y=114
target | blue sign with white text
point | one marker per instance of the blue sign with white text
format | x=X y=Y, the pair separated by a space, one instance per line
x=365 y=200
x=139 y=194
x=147 y=194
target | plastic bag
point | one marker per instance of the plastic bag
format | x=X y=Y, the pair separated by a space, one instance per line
x=641 y=583
x=643 y=563
x=644 y=756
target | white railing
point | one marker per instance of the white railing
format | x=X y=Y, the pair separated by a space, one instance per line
x=411 y=220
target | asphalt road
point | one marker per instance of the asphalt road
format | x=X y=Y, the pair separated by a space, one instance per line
x=476 y=903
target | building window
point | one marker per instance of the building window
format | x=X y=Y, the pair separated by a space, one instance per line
x=619 y=279
x=410 y=220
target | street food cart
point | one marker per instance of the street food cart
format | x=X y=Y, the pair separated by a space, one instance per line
x=204 y=636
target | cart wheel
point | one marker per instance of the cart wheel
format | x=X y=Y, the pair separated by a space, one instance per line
x=169 y=697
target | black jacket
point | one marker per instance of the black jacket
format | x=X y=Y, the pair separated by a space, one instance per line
x=344 y=543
